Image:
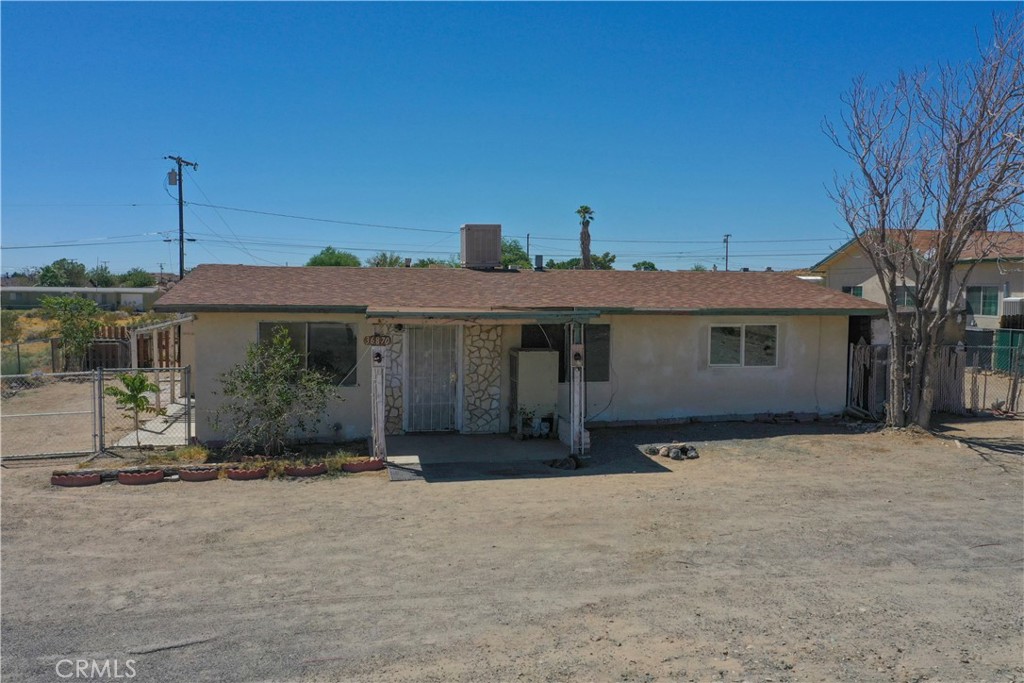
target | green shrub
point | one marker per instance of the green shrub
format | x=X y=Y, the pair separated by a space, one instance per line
x=10 y=327
x=271 y=396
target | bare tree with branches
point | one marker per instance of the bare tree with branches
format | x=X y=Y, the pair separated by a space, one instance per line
x=938 y=170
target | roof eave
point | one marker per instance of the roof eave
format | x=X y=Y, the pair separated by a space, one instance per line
x=551 y=315
x=816 y=267
x=789 y=311
x=162 y=307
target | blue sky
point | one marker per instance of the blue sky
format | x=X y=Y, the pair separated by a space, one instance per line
x=677 y=123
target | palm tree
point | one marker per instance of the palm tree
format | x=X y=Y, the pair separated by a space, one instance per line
x=586 y=215
x=133 y=398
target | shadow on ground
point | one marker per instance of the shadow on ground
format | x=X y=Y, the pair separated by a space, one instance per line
x=615 y=450
x=1006 y=445
x=633 y=462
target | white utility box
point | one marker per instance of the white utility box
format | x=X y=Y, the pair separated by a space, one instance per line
x=534 y=391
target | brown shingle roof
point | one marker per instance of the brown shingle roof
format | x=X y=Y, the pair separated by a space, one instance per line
x=266 y=288
x=984 y=245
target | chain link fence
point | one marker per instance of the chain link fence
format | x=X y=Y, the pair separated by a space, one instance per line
x=168 y=421
x=72 y=413
x=968 y=380
x=992 y=378
x=48 y=414
x=23 y=358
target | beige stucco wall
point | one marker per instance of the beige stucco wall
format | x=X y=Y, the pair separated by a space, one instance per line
x=221 y=342
x=853 y=268
x=659 y=369
x=188 y=345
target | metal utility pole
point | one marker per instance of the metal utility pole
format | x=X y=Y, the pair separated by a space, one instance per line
x=726 y=240
x=181 y=211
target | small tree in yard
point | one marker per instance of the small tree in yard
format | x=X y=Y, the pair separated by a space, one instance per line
x=133 y=398
x=77 y=322
x=10 y=327
x=942 y=152
x=271 y=395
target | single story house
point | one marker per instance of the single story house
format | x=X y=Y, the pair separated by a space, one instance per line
x=108 y=298
x=994 y=286
x=488 y=350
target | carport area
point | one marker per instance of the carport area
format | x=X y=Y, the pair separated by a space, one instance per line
x=460 y=457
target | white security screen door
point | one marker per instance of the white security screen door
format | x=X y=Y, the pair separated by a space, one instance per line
x=433 y=378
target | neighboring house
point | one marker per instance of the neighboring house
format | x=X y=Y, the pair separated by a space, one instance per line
x=655 y=345
x=994 y=288
x=108 y=298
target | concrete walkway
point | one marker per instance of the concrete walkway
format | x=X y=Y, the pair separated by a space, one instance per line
x=457 y=457
x=430 y=449
x=164 y=430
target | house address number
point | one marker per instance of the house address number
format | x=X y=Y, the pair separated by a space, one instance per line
x=377 y=340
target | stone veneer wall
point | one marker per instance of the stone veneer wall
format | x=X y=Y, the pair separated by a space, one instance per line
x=393 y=382
x=482 y=378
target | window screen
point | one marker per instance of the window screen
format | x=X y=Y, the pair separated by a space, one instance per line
x=725 y=345
x=597 y=352
x=330 y=348
x=743 y=345
x=759 y=345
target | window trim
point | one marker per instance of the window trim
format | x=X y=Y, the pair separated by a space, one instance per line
x=305 y=356
x=743 y=345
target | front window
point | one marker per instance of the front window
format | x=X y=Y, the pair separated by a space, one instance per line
x=983 y=300
x=743 y=346
x=855 y=290
x=330 y=348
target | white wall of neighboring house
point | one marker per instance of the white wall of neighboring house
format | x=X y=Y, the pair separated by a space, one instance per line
x=854 y=269
x=132 y=300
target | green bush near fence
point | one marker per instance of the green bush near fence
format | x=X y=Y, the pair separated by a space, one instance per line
x=34 y=357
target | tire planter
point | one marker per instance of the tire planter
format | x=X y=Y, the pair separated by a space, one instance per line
x=140 y=478
x=367 y=466
x=306 y=470
x=198 y=473
x=69 y=479
x=246 y=475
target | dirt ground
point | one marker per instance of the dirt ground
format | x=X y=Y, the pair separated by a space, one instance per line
x=785 y=553
x=31 y=427
x=55 y=416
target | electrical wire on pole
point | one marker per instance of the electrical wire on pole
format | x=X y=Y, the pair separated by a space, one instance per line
x=726 y=240
x=177 y=177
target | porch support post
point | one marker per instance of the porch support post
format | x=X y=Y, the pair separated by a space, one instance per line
x=156 y=365
x=378 y=354
x=577 y=409
x=133 y=341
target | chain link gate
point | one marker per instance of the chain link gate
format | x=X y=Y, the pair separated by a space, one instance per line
x=71 y=413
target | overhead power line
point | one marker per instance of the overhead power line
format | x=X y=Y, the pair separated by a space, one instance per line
x=322 y=220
